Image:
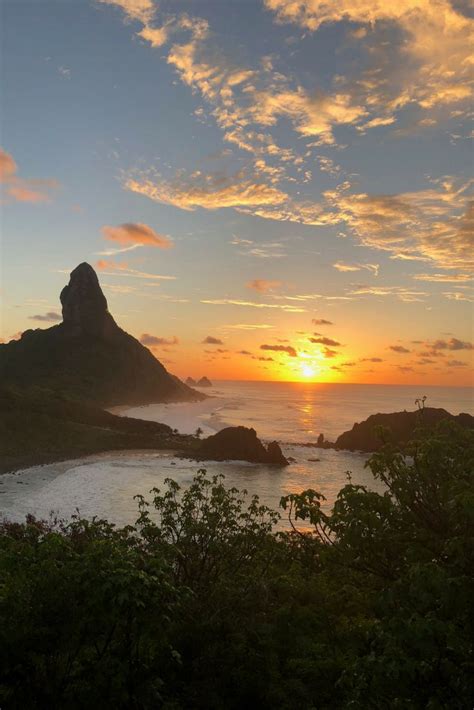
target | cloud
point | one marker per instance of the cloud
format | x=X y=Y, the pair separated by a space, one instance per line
x=341 y=266
x=136 y=234
x=321 y=321
x=51 y=316
x=456 y=363
x=328 y=353
x=252 y=304
x=20 y=189
x=262 y=250
x=113 y=268
x=249 y=326
x=444 y=278
x=403 y=294
x=427 y=60
x=325 y=341
x=399 y=349
x=156 y=36
x=371 y=359
x=152 y=340
x=141 y=10
x=210 y=340
x=212 y=192
x=263 y=285
x=457 y=296
x=452 y=344
x=288 y=349
x=435 y=223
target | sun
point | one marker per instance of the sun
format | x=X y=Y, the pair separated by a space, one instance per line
x=307 y=370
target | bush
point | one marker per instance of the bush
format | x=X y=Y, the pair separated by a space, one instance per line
x=202 y=604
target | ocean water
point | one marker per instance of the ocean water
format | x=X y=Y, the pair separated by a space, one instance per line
x=105 y=485
x=300 y=411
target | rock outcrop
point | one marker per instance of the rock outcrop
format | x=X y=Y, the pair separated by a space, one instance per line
x=204 y=382
x=240 y=444
x=88 y=356
x=191 y=382
x=401 y=428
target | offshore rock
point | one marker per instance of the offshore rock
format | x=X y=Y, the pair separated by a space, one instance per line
x=240 y=444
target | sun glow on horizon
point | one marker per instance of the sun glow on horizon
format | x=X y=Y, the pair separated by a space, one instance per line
x=307 y=370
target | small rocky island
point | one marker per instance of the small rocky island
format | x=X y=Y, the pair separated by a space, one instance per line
x=204 y=382
x=240 y=444
x=190 y=381
x=396 y=428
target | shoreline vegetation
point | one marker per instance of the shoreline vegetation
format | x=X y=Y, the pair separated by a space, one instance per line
x=201 y=605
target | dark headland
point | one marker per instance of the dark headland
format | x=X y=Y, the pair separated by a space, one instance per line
x=55 y=382
x=88 y=356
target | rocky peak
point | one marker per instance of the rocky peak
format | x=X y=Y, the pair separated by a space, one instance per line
x=84 y=305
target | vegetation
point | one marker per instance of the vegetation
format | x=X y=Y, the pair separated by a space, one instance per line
x=38 y=425
x=202 y=605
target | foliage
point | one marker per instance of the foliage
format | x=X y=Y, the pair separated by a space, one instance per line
x=202 y=605
x=38 y=425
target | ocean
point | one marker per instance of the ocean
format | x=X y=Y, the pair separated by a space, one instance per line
x=292 y=413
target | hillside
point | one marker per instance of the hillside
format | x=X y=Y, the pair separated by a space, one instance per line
x=88 y=356
x=38 y=426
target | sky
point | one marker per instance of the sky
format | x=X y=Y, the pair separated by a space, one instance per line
x=268 y=189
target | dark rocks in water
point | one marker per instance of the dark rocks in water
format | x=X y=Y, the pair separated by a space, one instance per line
x=204 y=382
x=314 y=460
x=190 y=381
x=401 y=425
x=275 y=454
x=87 y=356
x=320 y=441
x=240 y=444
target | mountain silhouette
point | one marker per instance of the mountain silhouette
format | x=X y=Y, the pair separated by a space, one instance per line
x=88 y=356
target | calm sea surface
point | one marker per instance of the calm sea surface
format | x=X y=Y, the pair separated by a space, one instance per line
x=292 y=413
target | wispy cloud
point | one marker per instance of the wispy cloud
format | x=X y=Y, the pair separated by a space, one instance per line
x=209 y=192
x=20 y=189
x=252 y=304
x=113 y=268
x=403 y=294
x=249 y=326
x=342 y=266
x=444 y=278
